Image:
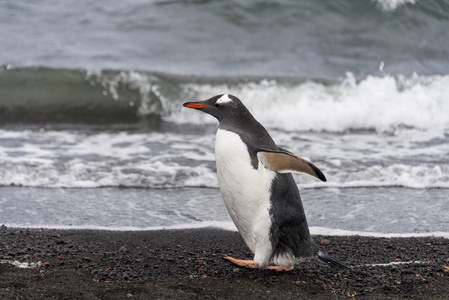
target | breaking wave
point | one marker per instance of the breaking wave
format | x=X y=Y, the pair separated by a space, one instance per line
x=384 y=103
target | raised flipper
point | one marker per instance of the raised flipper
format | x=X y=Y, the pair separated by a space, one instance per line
x=285 y=162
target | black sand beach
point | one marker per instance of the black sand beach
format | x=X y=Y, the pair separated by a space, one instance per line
x=188 y=264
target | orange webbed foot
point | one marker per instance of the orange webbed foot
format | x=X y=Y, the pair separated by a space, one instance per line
x=243 y=263
x=280 y=268
x=253 y=265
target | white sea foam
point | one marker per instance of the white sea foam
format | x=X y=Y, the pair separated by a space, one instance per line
x=390 y=5
x=341 y=232
x=384 y=103
x=77 y=159
x=225 y=225
x=408 y=158
x=152 y=100
x=417 y=177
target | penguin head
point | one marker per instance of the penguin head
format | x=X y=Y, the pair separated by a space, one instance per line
x=223 y=107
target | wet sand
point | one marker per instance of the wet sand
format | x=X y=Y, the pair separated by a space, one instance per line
x=189 y=264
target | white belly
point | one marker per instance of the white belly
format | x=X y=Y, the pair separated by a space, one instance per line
x=245 y=191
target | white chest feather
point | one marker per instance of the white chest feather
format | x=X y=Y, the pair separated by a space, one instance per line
x=245 y=190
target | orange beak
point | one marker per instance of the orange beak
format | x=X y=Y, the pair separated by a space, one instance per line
x=196 y=105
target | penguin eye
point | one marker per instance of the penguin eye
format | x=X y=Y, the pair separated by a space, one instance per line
x=217 y=105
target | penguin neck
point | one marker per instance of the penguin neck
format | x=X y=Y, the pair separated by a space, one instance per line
x=249 y=128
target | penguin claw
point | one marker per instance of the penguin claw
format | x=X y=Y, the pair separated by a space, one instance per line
x=243 y=263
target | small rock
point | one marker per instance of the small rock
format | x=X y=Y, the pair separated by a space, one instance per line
x=324 y=242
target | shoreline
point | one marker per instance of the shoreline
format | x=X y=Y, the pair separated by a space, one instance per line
x=229 y=226
x=188 y=264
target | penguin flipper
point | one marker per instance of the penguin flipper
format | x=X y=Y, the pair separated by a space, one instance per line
x=285 y=162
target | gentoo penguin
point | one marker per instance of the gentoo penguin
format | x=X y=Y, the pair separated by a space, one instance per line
x=258 y=188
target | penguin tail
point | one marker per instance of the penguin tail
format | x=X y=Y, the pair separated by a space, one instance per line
x=332 y=261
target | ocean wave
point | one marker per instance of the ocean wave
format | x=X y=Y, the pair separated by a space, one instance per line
x=381 y=103
x=370 y=132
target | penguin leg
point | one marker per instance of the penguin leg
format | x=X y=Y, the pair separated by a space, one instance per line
x=243 y=263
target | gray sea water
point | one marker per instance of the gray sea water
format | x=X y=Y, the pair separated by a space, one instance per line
x=362 y=211
x=93 y=133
